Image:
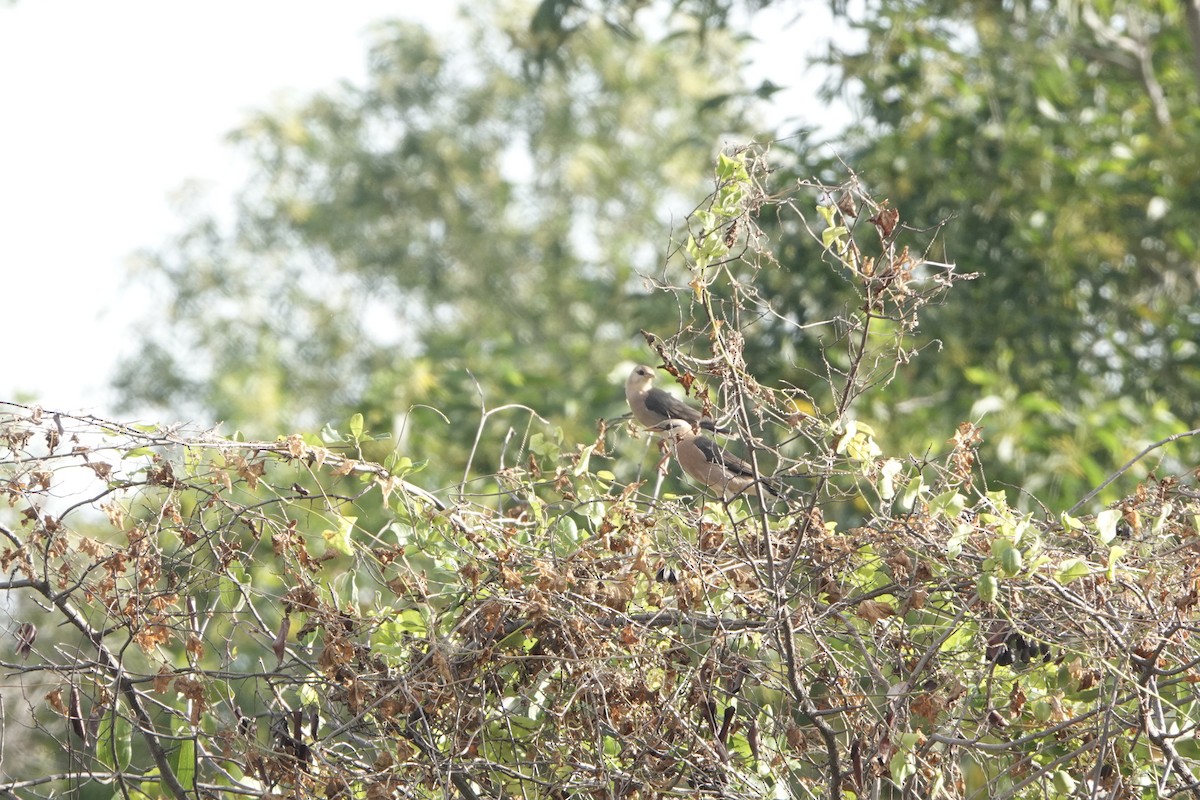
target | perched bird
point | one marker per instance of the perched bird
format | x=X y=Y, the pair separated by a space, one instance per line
x=652 y=406
x=712 y=465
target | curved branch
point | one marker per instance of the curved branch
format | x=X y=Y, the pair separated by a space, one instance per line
x=127 y=688
x=1129 y=464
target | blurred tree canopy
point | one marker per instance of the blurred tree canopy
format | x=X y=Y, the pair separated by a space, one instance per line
x=1053 y=138
x=461 y=254
x=190 y=615
x=453 y=237
x=467 y=233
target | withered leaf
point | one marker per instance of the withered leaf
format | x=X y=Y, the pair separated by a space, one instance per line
x=252 y=472
x=26 y=636
x=846 y=205
x=873 y=610
x=162 y=681
x=75 y=716
x=54 y=698
x=885 y=220
x=279 y=646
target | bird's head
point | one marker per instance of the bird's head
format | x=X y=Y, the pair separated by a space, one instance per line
x=640 y=379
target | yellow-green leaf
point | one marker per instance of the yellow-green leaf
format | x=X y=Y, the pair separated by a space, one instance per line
x=1106 y=524
x=340 y=539
x=185 y=764
x=988 y=588
x=1072 y=569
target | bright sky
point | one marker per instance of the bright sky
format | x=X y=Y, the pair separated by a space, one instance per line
x=110 y=107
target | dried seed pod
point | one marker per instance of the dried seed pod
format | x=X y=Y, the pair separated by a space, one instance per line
x=26 y=636
x=666 y=575
x=75 y=716
x=279 y=646
x=245 y=724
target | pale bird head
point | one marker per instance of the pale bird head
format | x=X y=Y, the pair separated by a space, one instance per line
x=640 y=379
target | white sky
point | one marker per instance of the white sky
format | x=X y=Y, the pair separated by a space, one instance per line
x=110 y=107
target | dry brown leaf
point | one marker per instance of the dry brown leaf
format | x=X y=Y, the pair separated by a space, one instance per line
x=279 y=646
x=873 y=610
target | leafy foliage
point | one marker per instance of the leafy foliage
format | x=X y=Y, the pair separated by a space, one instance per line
x=1053 y=136
x=451 y=234
x=391 y=260
x=1074 y=205
x=292 y=619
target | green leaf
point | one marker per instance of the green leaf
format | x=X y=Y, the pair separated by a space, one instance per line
x=356 y=426
x=1106 y=524
x=228 y=584
x=544 y=446
x=402 y=466
x=976 y=780
x=1114 y=555
x=411 y=621
x=309 y=695
x=915 y=488
x=903 y=764
x=185 y=764
x=341 y=539
x=1188 y=747
x=1161 y=521
x=1072 y=569
x=887 y=478
x=947 y=504
x=114 y=740
x=1070 y=523
x=954 y=544
x=731 y=168
x=124 y=741
x=581 y=463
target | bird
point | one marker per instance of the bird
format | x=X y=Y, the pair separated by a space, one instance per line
x=712 y=465
x=653 y=407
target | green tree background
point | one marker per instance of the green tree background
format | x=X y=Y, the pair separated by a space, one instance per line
x=478 y=229
x=290 y=619
x=454 y=237
x=1053 y=138
x=451 y=267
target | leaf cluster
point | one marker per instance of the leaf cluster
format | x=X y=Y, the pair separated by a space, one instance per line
x=451 y=233
x=292 y=618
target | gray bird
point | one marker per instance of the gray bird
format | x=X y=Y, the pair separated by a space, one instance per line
x=712 y=465
x=652 y=406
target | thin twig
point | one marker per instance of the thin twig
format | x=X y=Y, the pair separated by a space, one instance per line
x=1146 y=451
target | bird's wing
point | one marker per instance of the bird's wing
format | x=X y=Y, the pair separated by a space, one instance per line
x=714 y=454
x=734 y=466
x=670 y=407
